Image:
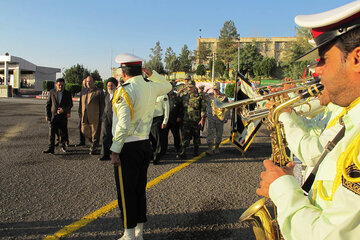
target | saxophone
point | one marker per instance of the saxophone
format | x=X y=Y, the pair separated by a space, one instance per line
x=257 y=215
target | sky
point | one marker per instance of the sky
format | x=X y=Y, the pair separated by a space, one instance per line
x=92 y=33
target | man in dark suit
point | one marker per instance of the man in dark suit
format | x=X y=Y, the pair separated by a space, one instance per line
x=106 y=126
x=59 y=103
x=92 y=108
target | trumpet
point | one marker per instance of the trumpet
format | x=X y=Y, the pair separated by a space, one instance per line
x=306 y=82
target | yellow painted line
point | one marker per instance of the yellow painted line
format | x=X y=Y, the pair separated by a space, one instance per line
x=13 y=131
x=109 y=207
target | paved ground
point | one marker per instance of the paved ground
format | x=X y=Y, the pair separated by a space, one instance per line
x=41 y=194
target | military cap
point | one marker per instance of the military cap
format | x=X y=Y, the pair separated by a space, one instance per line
x=113 y=80
x=128 y=59
x=191 y=83
x=216 y=85
x=188 y=77
x=328 y=26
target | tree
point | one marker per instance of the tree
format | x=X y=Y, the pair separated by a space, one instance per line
x=292 y=68
x=155 y=62
x=76 y=74
x=249 y=56
x=96 y=76
x=185 y=59
x=203 y=53
x=265 y=68
x=219 y=67
x=200 y=70
x=227 y=46
x=171 y=61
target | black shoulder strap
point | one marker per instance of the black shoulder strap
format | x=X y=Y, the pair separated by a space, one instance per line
x=329 y=146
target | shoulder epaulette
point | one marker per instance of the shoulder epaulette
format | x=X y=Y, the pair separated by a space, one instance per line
x=147 y=80
x=119 y=95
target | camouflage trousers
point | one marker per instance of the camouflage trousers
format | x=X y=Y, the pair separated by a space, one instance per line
x=215 y=131
x=190 y=130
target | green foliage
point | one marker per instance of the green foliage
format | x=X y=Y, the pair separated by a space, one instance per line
x=265 y=68
x=96 y=76
x=220 y=67
x=155 y=62
x=73 y=88
x=48 y=85
x=185 y=59
x=249 y=56
x=295 y=49
x=99 y=84
x=76 y=74
x=227 y=47
x=200 y=70
x=230 y=90
x=203 y=53
x=172 y=63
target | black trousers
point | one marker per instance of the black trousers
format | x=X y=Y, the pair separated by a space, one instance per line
x=106 y=137
x=174 y=127
x=131 y=180
x=157 y=137
x=58 y=124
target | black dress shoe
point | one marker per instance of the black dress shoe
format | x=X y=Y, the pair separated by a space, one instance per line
x=93 y=152
x=56 y=144
x=49 y=150
x=63 y=149
x=80 y=144
x=104 y=158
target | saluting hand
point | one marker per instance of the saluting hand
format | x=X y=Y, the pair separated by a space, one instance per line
x=272 y=173
x=147 y=72
x=115 y=159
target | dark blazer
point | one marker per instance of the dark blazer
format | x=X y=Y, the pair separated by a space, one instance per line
x=53 y=104
x=108 y=113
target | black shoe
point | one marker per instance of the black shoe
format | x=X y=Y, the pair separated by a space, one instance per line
x=56 y=144
x=196 y=151
x=80 y=144
x=92 y=152
x=49 y=150
x=104 y=158
x=63 y=149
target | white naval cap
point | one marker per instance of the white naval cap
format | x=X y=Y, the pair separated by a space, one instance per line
x=329 y=25
x=128 y=59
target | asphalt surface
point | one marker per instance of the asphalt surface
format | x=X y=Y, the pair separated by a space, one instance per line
x=42 y=193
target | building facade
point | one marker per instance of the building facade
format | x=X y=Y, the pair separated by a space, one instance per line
x=269 y=47
x=20 y=73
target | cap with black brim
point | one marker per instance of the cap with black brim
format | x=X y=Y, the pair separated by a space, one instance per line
x=328 y=26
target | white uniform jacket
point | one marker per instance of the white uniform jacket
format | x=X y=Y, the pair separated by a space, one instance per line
x=133 y=108
x=332 y=209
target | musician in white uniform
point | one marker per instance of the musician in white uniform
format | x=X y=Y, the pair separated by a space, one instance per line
x=332 y=208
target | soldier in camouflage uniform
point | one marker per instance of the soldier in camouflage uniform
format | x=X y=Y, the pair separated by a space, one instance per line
x=215 y=124
x=193 y=118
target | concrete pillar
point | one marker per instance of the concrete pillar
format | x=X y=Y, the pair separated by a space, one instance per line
x=6 y=73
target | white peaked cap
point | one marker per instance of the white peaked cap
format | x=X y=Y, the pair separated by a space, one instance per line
x=329 y=17
x=128 y=59
x=328 y=26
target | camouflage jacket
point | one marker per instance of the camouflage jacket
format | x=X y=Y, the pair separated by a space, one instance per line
x=193 y=107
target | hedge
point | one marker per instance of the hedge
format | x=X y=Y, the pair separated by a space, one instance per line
x=230 y=90
x=73 y=88
x=47 y=85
